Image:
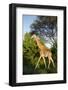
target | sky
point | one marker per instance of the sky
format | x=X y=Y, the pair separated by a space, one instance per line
x=27 y=21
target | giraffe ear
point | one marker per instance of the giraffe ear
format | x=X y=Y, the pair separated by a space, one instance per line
x=33 y=36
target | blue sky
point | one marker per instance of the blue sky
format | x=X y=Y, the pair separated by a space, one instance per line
x=27 y=21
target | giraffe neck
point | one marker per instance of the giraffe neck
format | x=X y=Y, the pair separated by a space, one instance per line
x=40 y=45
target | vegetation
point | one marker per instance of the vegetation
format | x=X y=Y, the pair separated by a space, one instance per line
x=31 y=56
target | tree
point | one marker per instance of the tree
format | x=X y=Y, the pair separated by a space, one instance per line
x=46 y=27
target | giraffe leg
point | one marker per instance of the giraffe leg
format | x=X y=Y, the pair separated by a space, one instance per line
x=49 y=63
x=52 y=62
x=37 y=62
x=44 y=61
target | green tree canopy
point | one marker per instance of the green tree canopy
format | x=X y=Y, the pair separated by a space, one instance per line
x=46 y=27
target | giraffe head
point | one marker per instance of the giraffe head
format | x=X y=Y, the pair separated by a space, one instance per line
x=35 y=37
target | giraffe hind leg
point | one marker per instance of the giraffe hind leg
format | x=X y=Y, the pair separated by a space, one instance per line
x=52 y=62
x=49 y=63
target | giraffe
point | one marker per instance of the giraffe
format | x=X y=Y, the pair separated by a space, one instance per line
x=44 y=52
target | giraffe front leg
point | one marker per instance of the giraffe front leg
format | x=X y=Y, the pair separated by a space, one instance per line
x=44 y=61
x=37 y=62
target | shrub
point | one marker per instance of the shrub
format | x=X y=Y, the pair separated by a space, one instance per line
x=31 y=56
